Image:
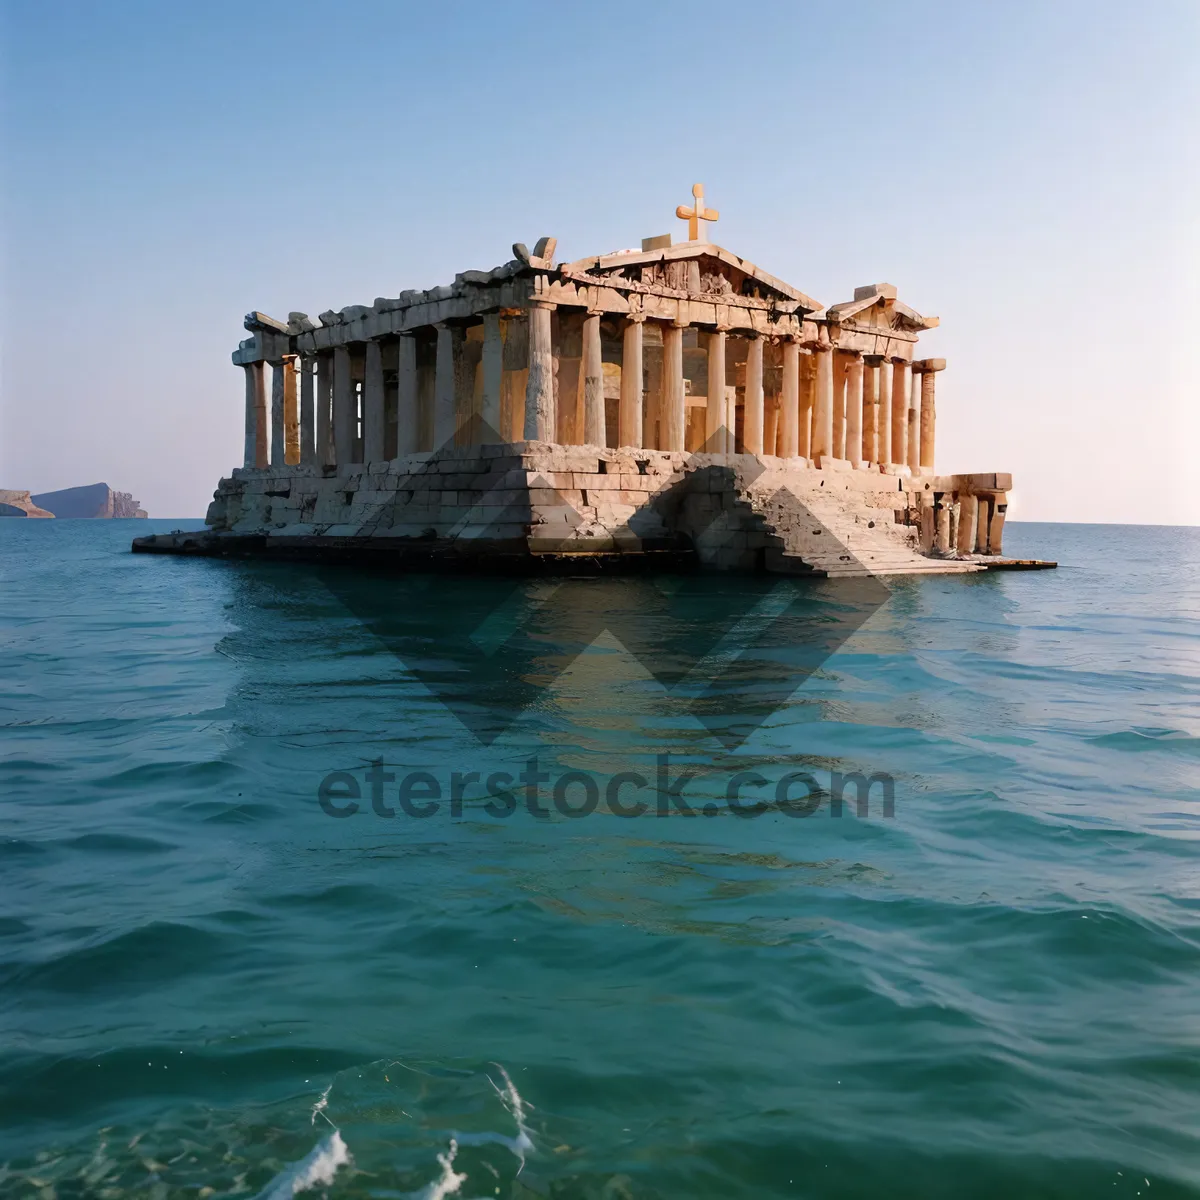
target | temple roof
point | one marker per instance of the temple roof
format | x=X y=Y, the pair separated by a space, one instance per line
x=715 y=285
x=748 y=274
x=879 y=299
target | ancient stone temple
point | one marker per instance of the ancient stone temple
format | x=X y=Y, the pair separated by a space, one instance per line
x=673 y=401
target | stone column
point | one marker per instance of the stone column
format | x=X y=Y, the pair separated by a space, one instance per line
x=928 y=419
x=927 y=527
x=900 y=390
x=249 y=439
x=408 y=432
x=492 y=370
x=594 y=432
x=752 y=410
x=983 y=520
x=870 y=425
x=883 y=429
x=308 y=441
x=278 y=390
x=255 y=453
x=808 y=382
x=540 y=417
x=790 y=400
x=822 y=432
x=373 y=419
x=928 y=369
x=345 y=411
x=914 y=427
x=629 y=414
x=968 y=511
x=715 y=440
x=771 y=417
x=995 y=539
x=854 y=411
x=291 y=413
x=674 y=411
x=840 y=368
x=941 y=537
x=325 y=451
x=515 y=375
x=465 y=363
x=567 y=332
x=652 y=407
x=444 y=417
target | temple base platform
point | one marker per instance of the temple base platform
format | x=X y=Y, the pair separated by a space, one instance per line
x=542 y=507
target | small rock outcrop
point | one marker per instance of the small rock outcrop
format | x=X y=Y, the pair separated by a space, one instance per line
x=92 y=500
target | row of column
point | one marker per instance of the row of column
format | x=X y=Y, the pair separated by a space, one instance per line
x=280 y=431
x=841 y=405
x=870 y=409
x=969 y=524
x=325 y=416
x=542 y=419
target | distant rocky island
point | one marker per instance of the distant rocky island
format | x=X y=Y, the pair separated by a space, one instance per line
x=92 y=500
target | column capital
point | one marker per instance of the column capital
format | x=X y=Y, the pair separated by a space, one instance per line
x=636 y=318
x=929 y=365
x=875 y=360
x=535 y=302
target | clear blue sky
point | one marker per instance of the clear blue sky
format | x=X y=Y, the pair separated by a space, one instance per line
x=1028 y=172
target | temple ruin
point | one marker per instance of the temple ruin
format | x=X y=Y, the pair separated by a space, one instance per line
x=673 y=400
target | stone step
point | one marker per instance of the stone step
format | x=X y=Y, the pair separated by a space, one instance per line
x=864 y=538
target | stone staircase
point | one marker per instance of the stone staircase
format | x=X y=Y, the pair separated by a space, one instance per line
x=843 y=527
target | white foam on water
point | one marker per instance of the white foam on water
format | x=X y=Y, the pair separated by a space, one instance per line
x=450 y=1180
x=522 y=1144
x=488 y=1139
x=321 y=1105
x=315 y=1169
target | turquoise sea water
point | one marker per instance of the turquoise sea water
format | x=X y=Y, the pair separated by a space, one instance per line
x=209 y=986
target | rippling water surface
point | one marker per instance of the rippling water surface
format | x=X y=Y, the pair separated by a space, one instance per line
x=209 y=986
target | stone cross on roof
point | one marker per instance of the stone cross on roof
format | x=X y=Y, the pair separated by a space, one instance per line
x=697 y=213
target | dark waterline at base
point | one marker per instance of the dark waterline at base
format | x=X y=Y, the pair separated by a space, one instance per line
x=206 y=982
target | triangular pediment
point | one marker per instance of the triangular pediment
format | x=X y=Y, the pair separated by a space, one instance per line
x=876 y=306
x=697 y=268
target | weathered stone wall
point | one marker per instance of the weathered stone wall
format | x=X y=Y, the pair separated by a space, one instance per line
x=528 y=499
